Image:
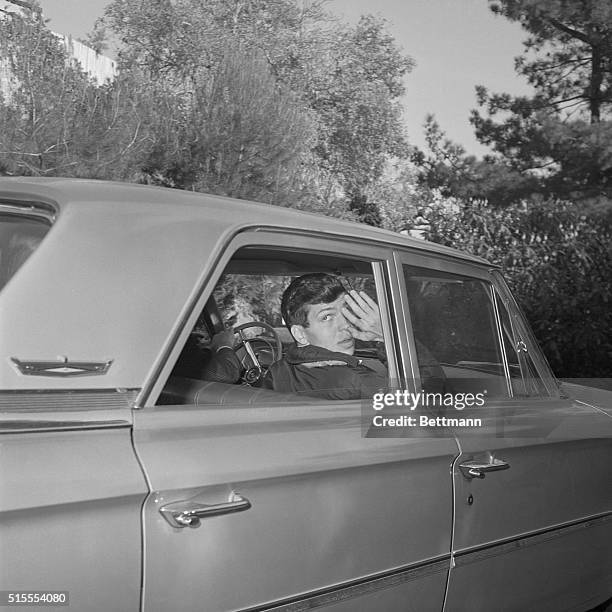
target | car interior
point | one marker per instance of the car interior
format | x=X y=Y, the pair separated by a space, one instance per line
x=454 y=325
x=247 y=299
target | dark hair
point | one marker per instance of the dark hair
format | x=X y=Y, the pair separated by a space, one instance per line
x=306 y=290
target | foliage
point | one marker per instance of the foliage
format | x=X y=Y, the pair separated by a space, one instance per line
x=557 y=261
x=274 y=100
x=234 y=133
x=348 y=80
x=562 y=135
x=397 y=196
x=554 y=143
x=449 y=169
x=53 y=119
x=355 y=93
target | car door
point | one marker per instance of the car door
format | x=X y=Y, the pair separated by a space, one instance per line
x=298 y=508
x=532 y=493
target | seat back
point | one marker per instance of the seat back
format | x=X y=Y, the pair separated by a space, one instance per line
x=183 y=391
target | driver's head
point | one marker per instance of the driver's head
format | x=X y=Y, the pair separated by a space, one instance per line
x=312 y=309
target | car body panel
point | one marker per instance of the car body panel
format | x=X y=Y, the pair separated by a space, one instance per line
x=328 y=507
x=526 y=521
x=601 y=399
x=70 y=499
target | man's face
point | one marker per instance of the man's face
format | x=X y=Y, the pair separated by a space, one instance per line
x=328 y=328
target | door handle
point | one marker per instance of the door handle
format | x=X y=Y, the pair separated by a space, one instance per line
x=478 y=469
x=188 y=513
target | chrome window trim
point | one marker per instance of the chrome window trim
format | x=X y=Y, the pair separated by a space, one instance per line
x=404 y=322
x=27 y=208
x=382 y=283
x=428 y=249
x=500 y=338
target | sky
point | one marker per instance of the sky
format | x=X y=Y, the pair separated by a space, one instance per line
x=456 y=45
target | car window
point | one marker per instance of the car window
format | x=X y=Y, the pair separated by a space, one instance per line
x=466 y=339
x=455 y=332
x=19 y=238
x=266 y=364
x=522 y=371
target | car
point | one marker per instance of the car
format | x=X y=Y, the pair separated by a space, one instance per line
x=127 y=485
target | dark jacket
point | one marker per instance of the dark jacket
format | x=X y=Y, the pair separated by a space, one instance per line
x=205 y=364
x=315 y=371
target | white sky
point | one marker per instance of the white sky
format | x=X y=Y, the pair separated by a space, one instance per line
x=456 y=45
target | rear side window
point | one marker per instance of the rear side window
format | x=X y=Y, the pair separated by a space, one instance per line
x=19 y=238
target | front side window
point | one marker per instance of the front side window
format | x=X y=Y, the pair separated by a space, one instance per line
x=466 y=340
x=285 y=325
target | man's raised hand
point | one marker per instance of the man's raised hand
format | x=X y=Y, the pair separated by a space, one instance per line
x=363 y=314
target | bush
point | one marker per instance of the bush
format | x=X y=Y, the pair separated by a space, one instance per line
x=558 y=263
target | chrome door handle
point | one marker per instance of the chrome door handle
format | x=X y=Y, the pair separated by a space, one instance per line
x=478 y=469
x=188 y=513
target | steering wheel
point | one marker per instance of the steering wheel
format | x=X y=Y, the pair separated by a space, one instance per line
x=273 y=344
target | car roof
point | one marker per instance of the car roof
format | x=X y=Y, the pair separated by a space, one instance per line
x=235 y=213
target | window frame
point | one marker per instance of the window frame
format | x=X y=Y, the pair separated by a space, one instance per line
x=379 y=255
x=526 y=335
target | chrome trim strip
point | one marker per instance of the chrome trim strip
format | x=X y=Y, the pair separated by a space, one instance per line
x=485 y=551
x=382 y=282
x=356 y=588
x=27 y=411
x=55 y=400
x=25 y=426
x=500 y=338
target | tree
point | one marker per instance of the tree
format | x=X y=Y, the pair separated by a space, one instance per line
x=450 y=170
x=237 y=133
x=53 y=119
x=561 y=135
x=348 y=80
x=356 y=94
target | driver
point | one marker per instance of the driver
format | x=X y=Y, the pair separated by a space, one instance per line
x=325 y=320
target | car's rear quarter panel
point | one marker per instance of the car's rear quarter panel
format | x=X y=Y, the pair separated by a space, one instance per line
x=70 y=505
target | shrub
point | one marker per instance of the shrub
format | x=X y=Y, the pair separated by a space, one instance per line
x=558 y=263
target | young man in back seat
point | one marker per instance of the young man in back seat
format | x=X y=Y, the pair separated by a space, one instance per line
x=325 y=320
